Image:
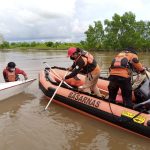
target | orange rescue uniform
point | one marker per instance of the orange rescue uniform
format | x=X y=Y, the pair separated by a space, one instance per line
x=125 y=71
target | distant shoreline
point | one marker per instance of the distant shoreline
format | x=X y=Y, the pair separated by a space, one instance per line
x=32 y=49
x=48 y=49
x=56 y=49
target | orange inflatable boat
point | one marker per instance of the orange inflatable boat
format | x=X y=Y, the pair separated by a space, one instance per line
x=136 y=121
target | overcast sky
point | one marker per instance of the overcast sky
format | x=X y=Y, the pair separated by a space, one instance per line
x=61 y=20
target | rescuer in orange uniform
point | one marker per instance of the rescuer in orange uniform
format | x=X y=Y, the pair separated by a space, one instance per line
x=85 y=62
x=120 y=75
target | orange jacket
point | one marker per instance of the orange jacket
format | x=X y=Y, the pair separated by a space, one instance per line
x=84 y=63
x=124 y=70
x=96 y=69
x=12 y=76
x=88 y=61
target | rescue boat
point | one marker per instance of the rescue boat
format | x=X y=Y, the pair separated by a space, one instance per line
x=136 y=121
x=9 y=89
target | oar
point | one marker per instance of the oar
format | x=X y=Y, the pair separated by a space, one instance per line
x=55 y=92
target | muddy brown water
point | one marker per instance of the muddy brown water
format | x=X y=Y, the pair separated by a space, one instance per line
x=25 y=126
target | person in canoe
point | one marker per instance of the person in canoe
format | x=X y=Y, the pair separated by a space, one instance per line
x=84 y=62
x=11 y=73
x=120 y=75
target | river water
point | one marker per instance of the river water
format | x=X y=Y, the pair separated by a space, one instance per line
x=25 y=126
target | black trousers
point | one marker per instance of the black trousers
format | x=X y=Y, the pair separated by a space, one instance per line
x=125 y=85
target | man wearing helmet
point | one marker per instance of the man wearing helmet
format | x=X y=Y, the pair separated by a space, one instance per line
x=120 y=75
x=11 y=73
x=85 y=62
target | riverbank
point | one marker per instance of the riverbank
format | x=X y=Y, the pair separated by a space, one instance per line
x=43 y=49
x=51 y=46
x=38 y=45
x=32 y=49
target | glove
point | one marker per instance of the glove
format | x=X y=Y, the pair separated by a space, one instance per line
x=143 y=72
x=80 y=88
x=26 y=78
x=63 y=78
x=70 y=69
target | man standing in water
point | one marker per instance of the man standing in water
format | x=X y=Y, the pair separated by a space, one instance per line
x=120 y=75
x=85 y=62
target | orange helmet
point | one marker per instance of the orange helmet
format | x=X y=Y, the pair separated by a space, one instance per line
x=71 y=51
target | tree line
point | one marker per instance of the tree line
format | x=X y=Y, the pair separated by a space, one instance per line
x=119 y=33
x=38 y=45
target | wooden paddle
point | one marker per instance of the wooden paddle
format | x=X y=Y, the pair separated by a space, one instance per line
x=55 y=92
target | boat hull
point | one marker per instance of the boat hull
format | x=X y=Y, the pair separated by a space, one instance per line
x=9 y=89
x=97 y=108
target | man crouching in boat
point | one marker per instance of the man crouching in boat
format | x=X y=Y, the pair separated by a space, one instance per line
x=85 y=62
x=120 y=75
x=11 y=73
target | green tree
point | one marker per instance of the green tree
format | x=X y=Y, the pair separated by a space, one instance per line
x=56 y=44
x=49 y=44
x=112 y=32
x=1 y=38
x=83 y=44
x=121 y=31
x=144 y=30
x=94 y=36
x=33 y=44
x=5 y=44
x=24 y=44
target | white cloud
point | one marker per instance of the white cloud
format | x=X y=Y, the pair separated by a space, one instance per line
x=4 y=29
x=77 y=26
x=24 y=18
x=104 y=7
x=61 y=19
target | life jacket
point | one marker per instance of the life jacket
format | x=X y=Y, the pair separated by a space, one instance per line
x=11 y=76
x=124 y=64
x=91 y=62
x=121 y=61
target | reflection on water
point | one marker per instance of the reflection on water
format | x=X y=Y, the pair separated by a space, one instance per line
x=80 y=132
x=13 y=103
x=24 y=125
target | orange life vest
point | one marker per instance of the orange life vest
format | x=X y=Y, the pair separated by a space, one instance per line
x=91 y=64
x=89 y=57
x=123 y=63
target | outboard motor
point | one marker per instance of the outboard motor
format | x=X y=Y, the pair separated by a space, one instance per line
x=142 y=93
x=144 y=106
x=141 y=87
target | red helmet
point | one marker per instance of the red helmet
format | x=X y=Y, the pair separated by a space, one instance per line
x=71 y=50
